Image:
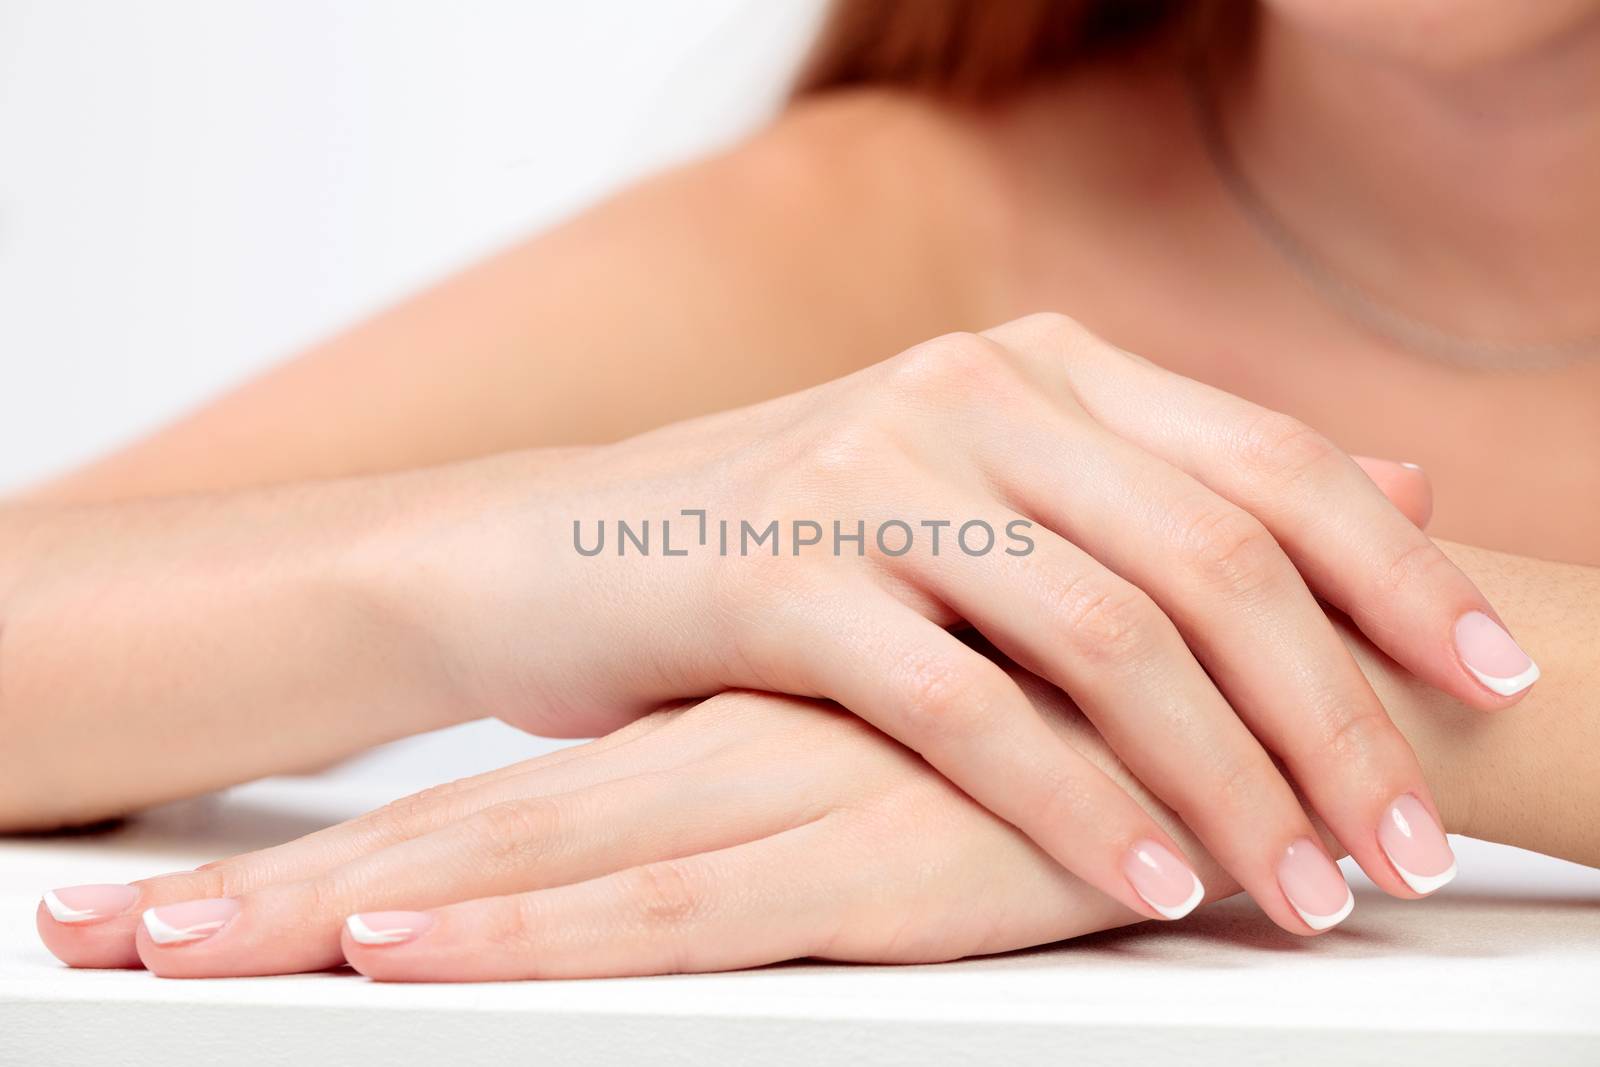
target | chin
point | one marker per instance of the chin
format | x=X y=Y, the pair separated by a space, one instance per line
x=1444 y=36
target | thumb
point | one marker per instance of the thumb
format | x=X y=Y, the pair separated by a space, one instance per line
x=1406 y=485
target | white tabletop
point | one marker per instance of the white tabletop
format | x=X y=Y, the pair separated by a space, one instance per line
x=1502 y=967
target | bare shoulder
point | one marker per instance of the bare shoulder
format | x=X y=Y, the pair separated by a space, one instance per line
x=870 y=188
x=878 y=139
x=957 y=211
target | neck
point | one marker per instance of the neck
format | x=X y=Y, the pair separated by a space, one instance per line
x=1464 y=198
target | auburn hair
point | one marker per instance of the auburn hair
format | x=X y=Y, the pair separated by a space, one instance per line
x=968 y=48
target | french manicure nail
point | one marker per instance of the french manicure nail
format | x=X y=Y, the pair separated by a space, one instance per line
x=193 y=920
x=1492 y=656
x=1416 y=845
x=76 y=904
x=1164 y=881
x=388 y=927
x=1314 y=886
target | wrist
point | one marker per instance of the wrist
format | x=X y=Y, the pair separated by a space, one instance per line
x=1523 y=775
x=464 y=565
x=392 y=562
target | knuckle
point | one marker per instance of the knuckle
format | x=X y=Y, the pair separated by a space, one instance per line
x=1064 y=800
x=1243 y=789
x=398 y=814
x=506 y=831
x=665 y=893
x=1418 y=566
x=1364 y=738
x=326 y=897
x=509 y=927
x=1051 y=322
x=943 y=367
x=1231 y=551
x=1280 y=449
x=1107 y=622
x=226 y=879
x=435 y=794
x=409 y=815
x=1062 y=336
x=943 y=698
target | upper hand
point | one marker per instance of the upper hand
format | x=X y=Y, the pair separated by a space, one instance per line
x=1153 y=546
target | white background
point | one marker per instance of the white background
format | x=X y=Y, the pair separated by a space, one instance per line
x=193 y=189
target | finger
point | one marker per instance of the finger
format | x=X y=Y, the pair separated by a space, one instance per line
x=104 y=935
x=1407 y=486
x=1351 y=544
x=1245 y=611
x=1064 y=616
x=919 y=684
x=513 y=845
x=745 y=906
x=615 y=756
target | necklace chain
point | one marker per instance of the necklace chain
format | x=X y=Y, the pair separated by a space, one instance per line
x=1350 y=299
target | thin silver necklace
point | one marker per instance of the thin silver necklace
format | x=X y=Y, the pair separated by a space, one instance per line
x=1348 y=298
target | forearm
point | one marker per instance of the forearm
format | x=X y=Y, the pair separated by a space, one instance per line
x=155 y=649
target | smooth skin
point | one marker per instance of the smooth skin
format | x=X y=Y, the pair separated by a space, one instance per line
x=753 y=828
x=1164 y=593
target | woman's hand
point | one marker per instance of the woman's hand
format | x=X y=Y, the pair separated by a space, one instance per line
x=1142 y=541
x=896 y=863
x=744 y=830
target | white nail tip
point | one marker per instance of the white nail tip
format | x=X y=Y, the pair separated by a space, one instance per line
x=1180 y=910
x=1426 y=883
x=1322 y=922
x=62 y=913
x=1508 y=686
x=366 y=935
x=166 y=934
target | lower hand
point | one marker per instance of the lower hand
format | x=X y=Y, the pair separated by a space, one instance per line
x=744 y=830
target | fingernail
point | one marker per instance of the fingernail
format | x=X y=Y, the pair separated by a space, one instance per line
x=1164 y=881
x=388 y=927
x=193 y=920
x=1382 y=465
x=1492 y=656
x=1416 y=845
x=1314 y=886
x=89 y=903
